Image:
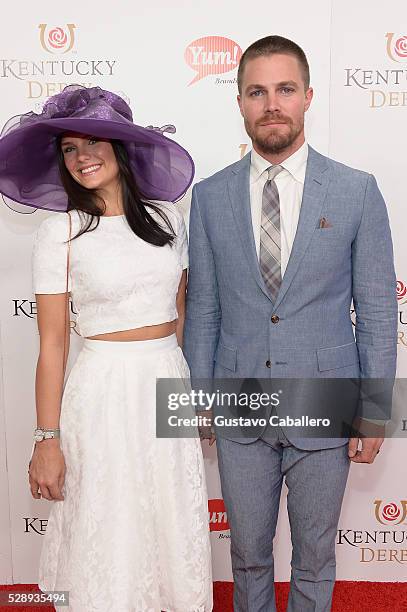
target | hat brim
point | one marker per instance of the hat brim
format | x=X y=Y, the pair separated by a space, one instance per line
x=29 y=173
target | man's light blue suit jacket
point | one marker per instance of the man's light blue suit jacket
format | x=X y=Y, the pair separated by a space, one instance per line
x=228 y=328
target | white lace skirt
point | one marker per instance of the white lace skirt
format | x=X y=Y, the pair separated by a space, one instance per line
x=132 y=532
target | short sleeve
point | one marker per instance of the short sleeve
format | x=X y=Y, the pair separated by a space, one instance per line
x=181 y=242
x=49 y=258
x=176 y=218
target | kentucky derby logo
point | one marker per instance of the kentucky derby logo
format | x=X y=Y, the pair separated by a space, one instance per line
x=218 y=520
x=401 y=293
x=396 y=47
x=56 y=39
x=390 y=513
x=212 y=55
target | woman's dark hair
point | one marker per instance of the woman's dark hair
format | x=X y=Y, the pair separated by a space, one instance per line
x=134 y=205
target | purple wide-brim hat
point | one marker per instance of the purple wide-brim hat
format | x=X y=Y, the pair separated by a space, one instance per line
x=29 y=172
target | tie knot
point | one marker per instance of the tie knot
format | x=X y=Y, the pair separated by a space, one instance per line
x=273 y=171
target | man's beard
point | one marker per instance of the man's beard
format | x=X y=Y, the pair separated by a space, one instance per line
x=276 y=141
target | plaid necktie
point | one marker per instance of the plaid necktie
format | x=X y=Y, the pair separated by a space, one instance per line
x=270 y=239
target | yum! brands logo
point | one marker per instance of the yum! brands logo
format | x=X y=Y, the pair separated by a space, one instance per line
x=396 y=47
x=218 y=520
x=56 y=39
x=212 y=55
x=390 y=514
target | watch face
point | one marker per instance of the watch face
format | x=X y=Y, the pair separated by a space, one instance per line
x=38 y=437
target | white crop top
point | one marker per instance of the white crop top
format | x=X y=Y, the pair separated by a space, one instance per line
x=117 y=280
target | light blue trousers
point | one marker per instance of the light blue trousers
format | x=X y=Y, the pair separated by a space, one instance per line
x=251 y=478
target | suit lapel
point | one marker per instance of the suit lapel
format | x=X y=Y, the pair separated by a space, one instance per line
x=239 y=194
x=315 y=189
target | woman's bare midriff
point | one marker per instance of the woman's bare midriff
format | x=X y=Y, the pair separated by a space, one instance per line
x=151 y=332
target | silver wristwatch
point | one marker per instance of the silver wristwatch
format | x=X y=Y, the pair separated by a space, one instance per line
x=45 y=434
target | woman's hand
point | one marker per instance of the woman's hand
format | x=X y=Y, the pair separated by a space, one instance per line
x=47 y=470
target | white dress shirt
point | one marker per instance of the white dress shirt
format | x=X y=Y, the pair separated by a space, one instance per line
x=290 y=185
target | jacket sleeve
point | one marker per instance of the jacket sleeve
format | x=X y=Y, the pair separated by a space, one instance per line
x=203 y=314
x=374 y=288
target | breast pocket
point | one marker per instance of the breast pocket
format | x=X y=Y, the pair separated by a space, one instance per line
x=331 y=235
x=329 y=231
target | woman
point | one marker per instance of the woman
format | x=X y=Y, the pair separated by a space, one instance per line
x=128 y=530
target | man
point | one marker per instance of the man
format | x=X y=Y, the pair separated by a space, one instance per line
x=280 y=244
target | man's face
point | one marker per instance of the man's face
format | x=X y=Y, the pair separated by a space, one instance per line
x=272 y=102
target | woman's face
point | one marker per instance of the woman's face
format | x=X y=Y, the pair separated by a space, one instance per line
x=90 y=161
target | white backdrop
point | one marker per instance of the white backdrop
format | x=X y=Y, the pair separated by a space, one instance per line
x=149 y=53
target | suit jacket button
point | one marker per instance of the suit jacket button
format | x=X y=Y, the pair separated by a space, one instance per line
x=275 y=318
x=268 y=363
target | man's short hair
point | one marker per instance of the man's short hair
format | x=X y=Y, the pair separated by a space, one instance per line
x=271 y=45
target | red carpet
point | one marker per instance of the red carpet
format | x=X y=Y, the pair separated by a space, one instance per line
x=348 y=597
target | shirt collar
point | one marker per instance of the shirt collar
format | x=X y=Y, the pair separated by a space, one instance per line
x=296 y=164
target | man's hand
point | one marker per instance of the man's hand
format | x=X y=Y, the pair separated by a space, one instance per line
x=370 y=436
x=210 y=436
x=368 y=452
x=206 y=431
